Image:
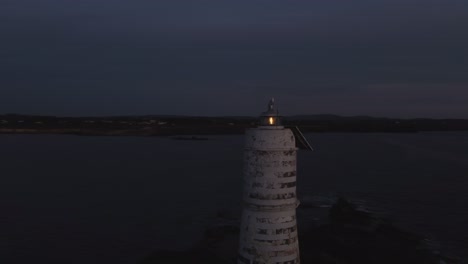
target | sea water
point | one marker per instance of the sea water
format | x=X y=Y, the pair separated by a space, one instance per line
x=75 y=199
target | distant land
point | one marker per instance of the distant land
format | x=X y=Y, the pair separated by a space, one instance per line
x=167 y=125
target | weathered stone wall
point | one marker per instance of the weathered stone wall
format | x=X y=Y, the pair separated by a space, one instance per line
x=268 y=225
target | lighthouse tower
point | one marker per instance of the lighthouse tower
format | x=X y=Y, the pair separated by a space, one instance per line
x=268 y=231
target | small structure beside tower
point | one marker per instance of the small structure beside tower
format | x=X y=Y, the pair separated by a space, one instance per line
x=268 y=231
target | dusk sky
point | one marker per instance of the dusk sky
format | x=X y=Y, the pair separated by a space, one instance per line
x=395 y=58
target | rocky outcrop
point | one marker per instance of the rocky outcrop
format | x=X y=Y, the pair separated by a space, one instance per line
x=348 y=236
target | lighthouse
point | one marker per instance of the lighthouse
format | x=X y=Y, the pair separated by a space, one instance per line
x=268 y=230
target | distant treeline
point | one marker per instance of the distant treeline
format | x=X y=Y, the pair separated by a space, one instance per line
x=184 y=125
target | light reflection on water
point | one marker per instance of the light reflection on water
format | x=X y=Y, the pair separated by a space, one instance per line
x=70 y=199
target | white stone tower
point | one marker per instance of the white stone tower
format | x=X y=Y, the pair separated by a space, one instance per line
x=268 y=231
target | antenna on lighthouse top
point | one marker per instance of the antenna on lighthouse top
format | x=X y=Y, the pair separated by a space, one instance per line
x=271 y=104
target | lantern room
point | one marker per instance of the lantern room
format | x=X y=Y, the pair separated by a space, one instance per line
x=271 y=116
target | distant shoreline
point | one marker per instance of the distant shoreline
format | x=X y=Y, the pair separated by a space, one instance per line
x=178 y=125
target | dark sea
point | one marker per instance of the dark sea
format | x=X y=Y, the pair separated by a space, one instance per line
x=75 y=199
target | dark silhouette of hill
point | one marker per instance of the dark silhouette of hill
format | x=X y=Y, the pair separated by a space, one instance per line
x=163 y=125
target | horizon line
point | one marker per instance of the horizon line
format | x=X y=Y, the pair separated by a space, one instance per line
x=228 y=116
